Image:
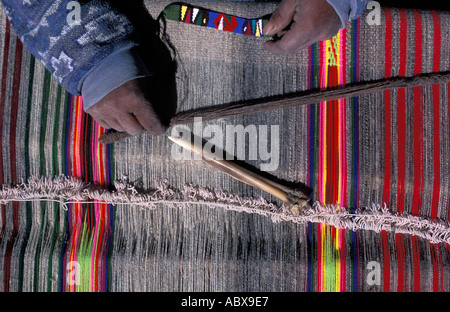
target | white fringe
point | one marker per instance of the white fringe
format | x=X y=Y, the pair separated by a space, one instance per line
x=66 y=190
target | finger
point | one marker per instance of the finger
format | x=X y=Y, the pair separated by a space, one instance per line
x=292 y=41
x=281 y=17
x=98 y=119
x=102 y=123
x=279 y=35
x=130 y=124
x=149 y=120
x=115 y=124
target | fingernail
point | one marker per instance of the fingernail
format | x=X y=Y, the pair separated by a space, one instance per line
x=159 y=129
x=268 y=29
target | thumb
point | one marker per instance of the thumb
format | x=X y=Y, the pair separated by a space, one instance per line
x=149 y=119
x=281 y=17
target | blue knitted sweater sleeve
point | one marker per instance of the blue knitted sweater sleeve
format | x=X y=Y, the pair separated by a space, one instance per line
x=348 y=9
x=78 y=52
x=95 y=56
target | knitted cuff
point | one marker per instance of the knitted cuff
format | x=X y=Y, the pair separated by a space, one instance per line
x=115 y=70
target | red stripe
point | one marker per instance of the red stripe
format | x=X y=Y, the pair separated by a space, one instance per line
x=3 y=93
x=102 y=180
x=399 y=241
x=2 y=111
x=333 y=140
x=75 y=140
x=416 y=262
x=14 y=109
x=12 y=145
x=418 y=121
x=402 y=115
x=436 y=117
x=343 y=69
x=84 y=143
x=12 y=153
x=12 y=133
x=332 y=135
x=387 y=107
x=329 y=152
x=329 y=145
x=102 y=219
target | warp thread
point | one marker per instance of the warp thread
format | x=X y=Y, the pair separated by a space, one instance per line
x=66 y=190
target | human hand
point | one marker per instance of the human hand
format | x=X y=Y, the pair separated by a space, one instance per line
x=309 y=21
x=127 y=109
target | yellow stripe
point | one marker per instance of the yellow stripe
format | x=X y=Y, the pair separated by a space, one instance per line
x=323 y=256
x=183 y=11
x=258 y=32
x=338 y=262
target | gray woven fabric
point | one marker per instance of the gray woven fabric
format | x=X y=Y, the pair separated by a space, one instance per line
x=205 y=249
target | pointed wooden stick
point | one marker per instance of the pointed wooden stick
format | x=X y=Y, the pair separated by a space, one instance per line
x=294 y=200
x=294 y=99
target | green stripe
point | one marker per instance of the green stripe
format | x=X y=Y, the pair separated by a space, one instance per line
x=28 y=217
x=84 y=256
x=56 y=133
x=56 y=217
x=330 y=260
x=28 y=119
x=172 y=12
x=63 y=160
x=55 y=169
x=44 y=111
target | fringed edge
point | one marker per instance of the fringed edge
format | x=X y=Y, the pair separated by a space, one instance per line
x=66 y=190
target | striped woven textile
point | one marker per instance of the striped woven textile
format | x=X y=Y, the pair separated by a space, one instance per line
x=408 y=129
x=388 y=149
x=46 y=133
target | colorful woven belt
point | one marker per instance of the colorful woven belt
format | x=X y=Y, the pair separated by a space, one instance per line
x=190 y=14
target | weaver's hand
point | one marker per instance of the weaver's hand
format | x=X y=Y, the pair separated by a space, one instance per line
x=300 y=23
x=127 y=109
